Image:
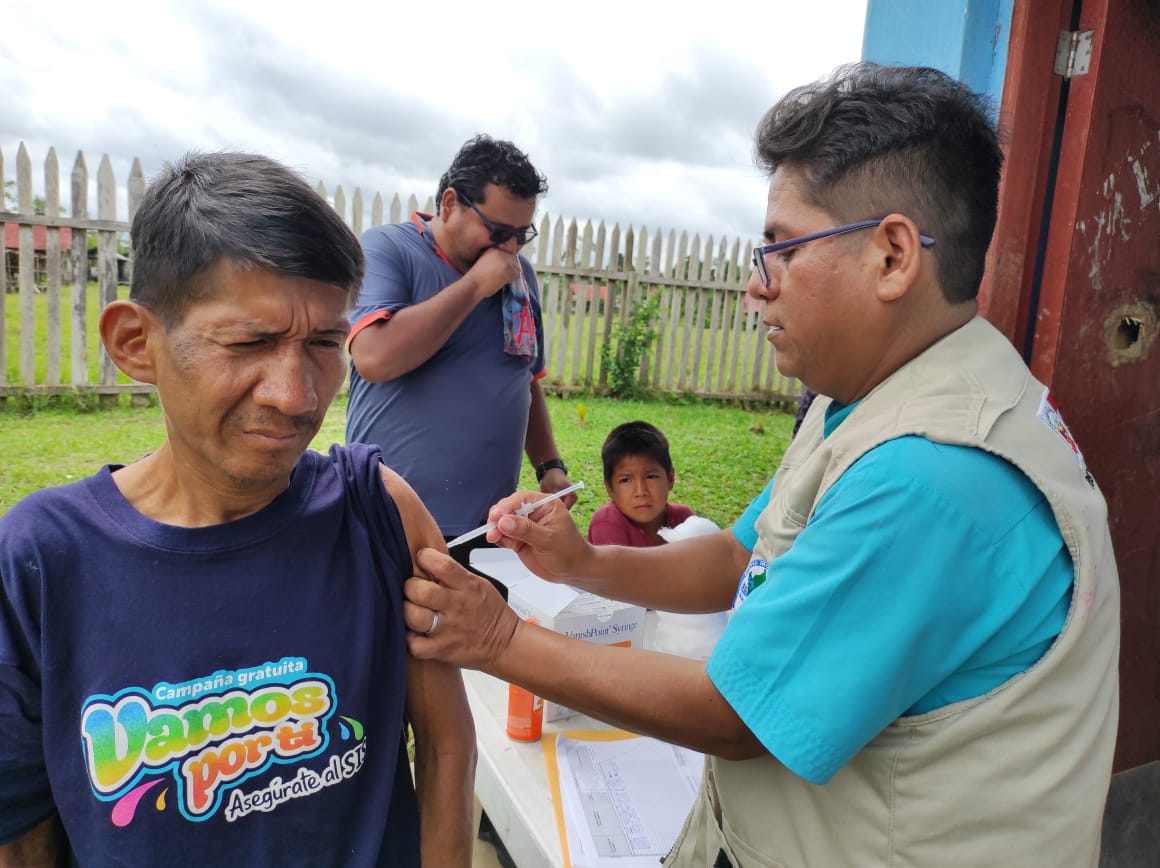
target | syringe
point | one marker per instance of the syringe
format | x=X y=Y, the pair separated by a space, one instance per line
x=526 y=509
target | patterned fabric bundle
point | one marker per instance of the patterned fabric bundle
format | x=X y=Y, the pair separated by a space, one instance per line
x=519 y=329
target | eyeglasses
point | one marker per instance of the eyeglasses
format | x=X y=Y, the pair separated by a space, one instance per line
x=500 y=233
x=760 y=253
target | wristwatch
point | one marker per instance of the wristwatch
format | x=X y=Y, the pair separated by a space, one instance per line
x=550 y=464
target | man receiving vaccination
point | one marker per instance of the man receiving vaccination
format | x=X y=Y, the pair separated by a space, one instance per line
x=202 y=653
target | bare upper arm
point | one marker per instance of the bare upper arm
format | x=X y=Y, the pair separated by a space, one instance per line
x=739 y=554
x=366 y=350
x=418 y=525
x=42 y=846
x=436 y=701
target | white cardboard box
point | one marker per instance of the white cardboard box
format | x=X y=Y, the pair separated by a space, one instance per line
x=562 y=608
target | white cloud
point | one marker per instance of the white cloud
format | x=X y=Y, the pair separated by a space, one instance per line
x=637 y=113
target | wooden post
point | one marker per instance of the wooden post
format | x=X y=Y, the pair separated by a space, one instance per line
x=615 y=287
x=52 y=267
x=657 y=285
x=3 y=293
x=642 y=289
x=599 y=290
x=356 y=212
x=26 y=278
x=107 y=264
x=585 y=289
x=80 y=256
x=560 y=309
x=136 y=192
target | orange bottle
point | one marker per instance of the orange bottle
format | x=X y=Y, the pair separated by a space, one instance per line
x=525 y=716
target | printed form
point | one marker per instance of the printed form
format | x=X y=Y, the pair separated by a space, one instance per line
x=624 y=802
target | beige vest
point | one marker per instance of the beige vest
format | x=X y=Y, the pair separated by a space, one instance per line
x=1015 y=778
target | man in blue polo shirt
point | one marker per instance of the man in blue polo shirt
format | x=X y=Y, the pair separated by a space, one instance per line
x=447 y=347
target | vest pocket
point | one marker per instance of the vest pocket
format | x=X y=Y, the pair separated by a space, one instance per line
x=703 y=842
x=744 y=856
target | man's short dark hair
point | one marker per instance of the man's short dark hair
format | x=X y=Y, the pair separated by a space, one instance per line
x=483 y=160
x=871 y=140
x=634 y=438
x=245 y=208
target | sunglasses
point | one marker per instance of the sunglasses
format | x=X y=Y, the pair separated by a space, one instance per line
x=500 y=233
x=761 y=253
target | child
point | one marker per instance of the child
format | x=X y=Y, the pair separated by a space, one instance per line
x=638 y=476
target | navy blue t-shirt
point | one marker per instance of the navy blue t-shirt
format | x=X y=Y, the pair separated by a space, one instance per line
x=228 y=695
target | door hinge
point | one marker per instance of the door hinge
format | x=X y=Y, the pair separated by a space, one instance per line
x=1073 y=53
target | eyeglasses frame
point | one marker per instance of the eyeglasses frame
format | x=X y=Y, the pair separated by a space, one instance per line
x=760 y=253
x=500 y=233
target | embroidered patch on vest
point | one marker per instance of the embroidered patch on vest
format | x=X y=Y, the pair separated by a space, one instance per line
x=1050 y=416
x=753 y=576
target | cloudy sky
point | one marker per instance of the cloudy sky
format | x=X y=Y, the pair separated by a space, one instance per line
x=638 y=113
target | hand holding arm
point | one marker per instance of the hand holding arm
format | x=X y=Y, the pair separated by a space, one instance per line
x=667 y=697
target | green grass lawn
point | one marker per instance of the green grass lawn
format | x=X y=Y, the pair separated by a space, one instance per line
x=723 y=455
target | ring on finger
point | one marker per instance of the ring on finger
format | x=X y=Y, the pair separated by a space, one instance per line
x=434 y=624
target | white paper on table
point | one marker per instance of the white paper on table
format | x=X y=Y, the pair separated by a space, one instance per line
x=624 y=801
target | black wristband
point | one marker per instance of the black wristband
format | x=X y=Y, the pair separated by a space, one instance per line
x=550 y=464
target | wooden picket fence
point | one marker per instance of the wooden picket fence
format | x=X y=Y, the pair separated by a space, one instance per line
x=709 y=338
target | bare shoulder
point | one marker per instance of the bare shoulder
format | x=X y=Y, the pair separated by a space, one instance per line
x=418 y=524
x=394 y=482
x=401 y=491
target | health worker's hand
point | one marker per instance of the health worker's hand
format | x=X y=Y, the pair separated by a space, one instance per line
x=472 y=624
x=547 y=541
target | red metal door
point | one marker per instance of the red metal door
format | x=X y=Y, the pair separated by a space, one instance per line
x=1088 y=212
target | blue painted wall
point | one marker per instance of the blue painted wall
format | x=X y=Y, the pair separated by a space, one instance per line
x=963 y=38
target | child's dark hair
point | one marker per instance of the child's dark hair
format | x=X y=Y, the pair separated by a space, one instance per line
x=634 y=438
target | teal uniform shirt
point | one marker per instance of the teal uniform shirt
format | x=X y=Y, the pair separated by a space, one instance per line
x=928 y=574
